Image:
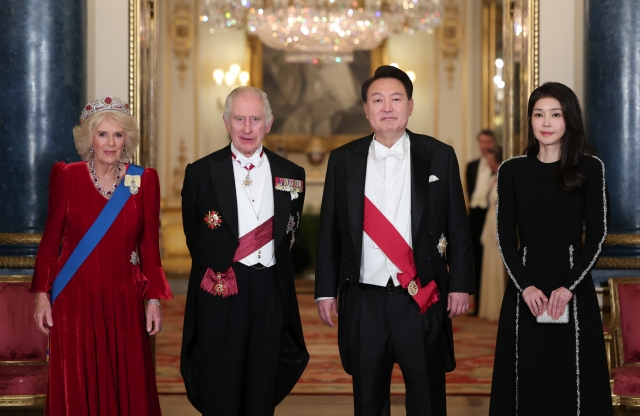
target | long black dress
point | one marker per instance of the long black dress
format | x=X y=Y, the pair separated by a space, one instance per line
x=550 y=369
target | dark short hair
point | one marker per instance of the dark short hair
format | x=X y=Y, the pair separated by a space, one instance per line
x=496 y=151
x=388 y=71
x=487 y=132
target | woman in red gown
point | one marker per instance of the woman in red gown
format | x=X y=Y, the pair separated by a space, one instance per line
x=100 y=357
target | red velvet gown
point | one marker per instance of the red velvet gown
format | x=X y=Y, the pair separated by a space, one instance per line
x=100 y=358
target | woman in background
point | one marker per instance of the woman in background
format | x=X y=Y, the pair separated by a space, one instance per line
x=493 y=280
x=546 y=198
x=100 y=357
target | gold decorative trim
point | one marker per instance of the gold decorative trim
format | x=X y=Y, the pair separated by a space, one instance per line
x=628 y=401
x=451 y=38
x=521 y=79
x=16 y=278
x=134 y=65
x=379 y=56
x=623 y=240
x=20 y=238
x=300 y=144
x=618 y=263
x=16 y=262
x=11 y=363
x=466 y=102
x=177 y=178
x=182 y=35
x=35 y=400
x=536 y=43
x=142 y=77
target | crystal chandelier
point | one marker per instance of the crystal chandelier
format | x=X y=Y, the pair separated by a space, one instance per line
x=327 y=30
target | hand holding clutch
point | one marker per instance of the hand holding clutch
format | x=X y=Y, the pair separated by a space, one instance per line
x=535 y=300
x=547 y=319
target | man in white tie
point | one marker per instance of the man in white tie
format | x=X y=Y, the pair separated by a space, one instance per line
x=242 y=347
x=395 y=250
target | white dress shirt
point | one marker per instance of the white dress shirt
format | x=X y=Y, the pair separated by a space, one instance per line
x=255 y=202
x=388 y=187
x=483 y=183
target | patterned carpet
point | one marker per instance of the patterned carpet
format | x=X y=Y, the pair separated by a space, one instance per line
x=474 y=345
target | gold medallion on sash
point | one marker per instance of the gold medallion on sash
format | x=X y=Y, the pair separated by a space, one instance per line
x=413 y=288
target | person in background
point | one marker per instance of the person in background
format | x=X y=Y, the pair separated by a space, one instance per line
x=550 y=355
x=478 y=180
x=89 y=285
x=493 y=274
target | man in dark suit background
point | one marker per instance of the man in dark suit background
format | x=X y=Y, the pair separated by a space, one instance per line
x=478 y=183
x=394 y=195
x=242 y=347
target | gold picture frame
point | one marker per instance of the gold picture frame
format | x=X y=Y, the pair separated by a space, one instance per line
x=521 y=37
x=303 y=143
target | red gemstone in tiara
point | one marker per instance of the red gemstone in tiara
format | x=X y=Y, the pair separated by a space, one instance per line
x=104 y=104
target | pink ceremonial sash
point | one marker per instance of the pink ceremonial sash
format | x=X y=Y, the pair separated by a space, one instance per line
x=385 y=235
x=224 y=283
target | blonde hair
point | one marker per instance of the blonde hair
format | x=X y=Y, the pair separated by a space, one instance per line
x=83 y=133
x=247 y=90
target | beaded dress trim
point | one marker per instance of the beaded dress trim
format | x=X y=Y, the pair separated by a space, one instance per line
x=604 y=235
x=515 y=282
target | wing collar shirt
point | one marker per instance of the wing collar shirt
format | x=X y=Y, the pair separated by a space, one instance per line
x=255 y=202
x=483 y=183
x=388 y=187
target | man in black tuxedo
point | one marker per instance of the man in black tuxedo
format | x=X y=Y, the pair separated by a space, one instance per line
x=242 y=347
x=395 y=249
x=478 y=184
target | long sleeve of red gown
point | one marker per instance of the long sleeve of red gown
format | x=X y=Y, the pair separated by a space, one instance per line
x=148 y=243
x=51 y=242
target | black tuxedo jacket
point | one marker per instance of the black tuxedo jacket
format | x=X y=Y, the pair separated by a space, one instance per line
x=209 y=185
x=472 y=176
x=437 y=208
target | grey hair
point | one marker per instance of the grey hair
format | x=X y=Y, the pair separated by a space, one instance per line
x=256 y=92
x=83 y=134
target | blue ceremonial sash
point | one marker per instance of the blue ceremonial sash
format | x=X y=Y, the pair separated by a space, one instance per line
x=98 y=229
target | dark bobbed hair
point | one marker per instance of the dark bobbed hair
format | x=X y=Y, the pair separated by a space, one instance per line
x=388 y=71
x=496 y=151
x=487 y=132
x=573 y=144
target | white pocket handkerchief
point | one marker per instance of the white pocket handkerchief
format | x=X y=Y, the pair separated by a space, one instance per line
x=433 y=178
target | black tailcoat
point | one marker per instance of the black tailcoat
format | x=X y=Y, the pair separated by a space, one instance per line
x=437 y=208
x=209 y=185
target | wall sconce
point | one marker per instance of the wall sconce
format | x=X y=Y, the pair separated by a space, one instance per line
x=234 y=77
x=231 y=76
x=411 y=74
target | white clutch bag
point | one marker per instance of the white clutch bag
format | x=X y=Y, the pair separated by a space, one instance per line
x=562 y=319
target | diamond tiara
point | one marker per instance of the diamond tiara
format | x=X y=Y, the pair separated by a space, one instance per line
x=103 y=104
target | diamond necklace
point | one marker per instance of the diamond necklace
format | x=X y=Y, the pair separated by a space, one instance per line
x=107 y=194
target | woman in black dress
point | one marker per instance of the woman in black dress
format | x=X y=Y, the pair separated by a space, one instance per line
x=547 y=197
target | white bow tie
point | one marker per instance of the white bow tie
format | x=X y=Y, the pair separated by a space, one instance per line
x=246 y=162
x=382 y=154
